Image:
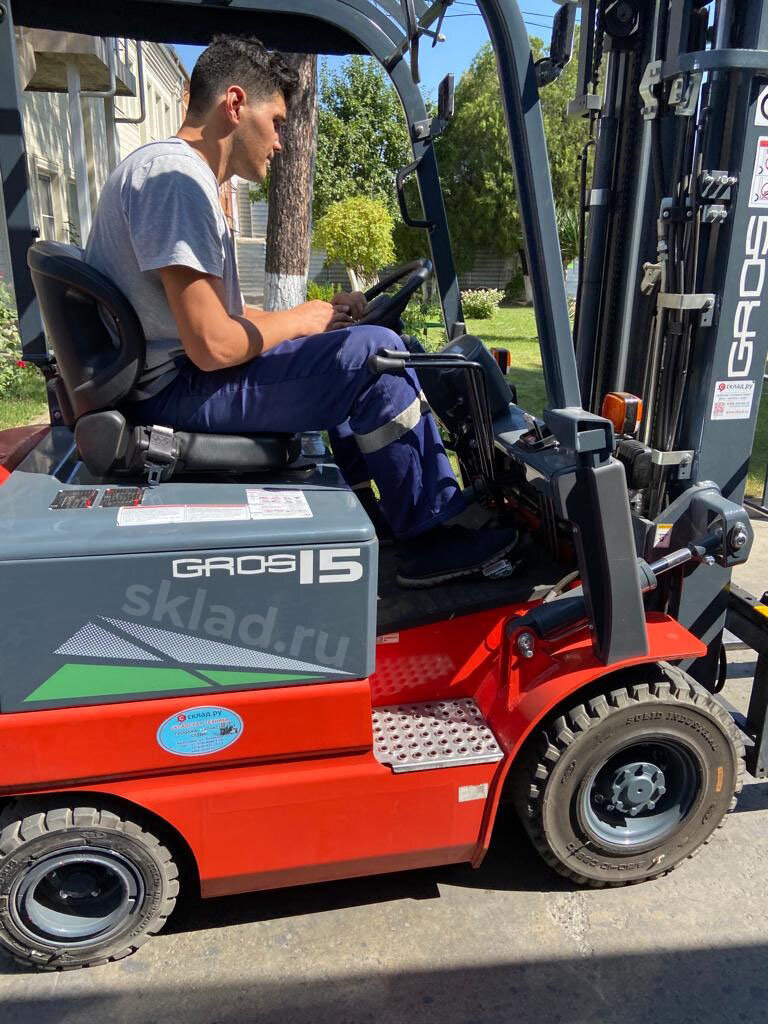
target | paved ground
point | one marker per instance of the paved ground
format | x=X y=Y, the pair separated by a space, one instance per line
x=506 y=944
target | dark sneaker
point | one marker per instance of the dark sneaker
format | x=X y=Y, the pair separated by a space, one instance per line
x=450 y=552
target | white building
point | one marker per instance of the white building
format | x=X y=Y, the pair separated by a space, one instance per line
x=75 y=139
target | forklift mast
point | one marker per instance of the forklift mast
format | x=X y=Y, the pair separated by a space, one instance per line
x=671 y=300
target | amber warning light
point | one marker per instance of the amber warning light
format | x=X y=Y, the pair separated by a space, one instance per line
x=625 y=411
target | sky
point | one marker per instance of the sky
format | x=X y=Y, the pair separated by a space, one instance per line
x=465 y=33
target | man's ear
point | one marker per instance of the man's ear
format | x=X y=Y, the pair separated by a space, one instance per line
x=234 y=102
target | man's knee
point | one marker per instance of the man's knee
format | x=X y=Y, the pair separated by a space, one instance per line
x=366 y=340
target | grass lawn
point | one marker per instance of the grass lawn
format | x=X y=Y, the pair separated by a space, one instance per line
x=28 y=406
x=514 y=329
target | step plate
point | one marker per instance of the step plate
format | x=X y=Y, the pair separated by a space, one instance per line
x=436 y=734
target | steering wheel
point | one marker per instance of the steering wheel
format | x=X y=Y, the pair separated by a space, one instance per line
x=386 y=310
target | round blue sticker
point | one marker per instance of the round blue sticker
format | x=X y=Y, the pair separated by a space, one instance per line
x=198 y=731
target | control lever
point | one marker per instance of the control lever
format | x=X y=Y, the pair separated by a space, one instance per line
x=554 y=618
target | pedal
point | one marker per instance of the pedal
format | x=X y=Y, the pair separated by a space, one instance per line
x=435 y=734
x=501 y=569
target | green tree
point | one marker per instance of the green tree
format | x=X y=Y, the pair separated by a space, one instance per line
x=362 y=138
x=358 y=233
x=476 y=164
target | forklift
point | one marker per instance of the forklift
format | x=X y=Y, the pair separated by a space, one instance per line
x=211 y=682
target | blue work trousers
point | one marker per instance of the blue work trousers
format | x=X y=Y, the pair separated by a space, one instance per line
x=380 y=426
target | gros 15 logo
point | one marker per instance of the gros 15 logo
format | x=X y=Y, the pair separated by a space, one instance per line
x=325 y=565
x=751 y=282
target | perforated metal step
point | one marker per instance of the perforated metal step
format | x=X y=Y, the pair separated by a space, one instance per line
x=436 y=734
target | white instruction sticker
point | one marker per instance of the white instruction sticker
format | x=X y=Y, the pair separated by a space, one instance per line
x=758 y=195
x=467 y=793
x=155 y=515
x=733 y=399
x=277 y=504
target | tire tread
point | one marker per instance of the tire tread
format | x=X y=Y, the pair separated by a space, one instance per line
x=16 y=832
x=534 y=772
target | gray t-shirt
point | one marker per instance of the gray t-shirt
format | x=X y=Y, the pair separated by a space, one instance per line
x=160 y=208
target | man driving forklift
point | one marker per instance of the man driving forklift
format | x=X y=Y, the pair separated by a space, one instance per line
x=216 y=365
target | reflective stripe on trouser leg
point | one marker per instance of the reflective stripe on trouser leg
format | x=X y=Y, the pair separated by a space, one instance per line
x=406 y=458
x=395 y=428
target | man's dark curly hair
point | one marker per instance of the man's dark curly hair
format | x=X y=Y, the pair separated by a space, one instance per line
x=238 y=60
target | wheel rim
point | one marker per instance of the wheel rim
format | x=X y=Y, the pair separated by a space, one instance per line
x=74 y=897
x=640 y=795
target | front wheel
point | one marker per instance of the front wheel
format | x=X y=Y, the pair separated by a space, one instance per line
x=80 y=886
x=623 y=788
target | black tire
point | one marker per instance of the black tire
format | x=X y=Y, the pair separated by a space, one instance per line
x=603 y=751
x=79 y=886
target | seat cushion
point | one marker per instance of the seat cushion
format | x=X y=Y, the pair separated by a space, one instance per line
x=108 y=444
x=205 y=453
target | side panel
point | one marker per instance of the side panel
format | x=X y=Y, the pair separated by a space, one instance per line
x=129 y=627
x=316 y=820
x=78 y=746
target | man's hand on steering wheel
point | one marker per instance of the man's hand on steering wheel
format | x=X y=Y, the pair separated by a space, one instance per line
x=352 y=303
x=386 y=310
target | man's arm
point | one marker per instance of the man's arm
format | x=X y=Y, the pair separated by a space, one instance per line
x=214 y=340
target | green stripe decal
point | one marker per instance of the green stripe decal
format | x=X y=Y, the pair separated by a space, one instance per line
x=256 y=678
x=73 y=681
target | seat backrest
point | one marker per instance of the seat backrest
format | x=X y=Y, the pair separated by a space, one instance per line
x=97 y=366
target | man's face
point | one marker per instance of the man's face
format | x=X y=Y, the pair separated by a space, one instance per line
x=257 y=137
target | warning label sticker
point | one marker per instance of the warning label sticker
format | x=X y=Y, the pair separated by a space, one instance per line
x=155 y=515
x=277 y=504
x=758 y=195
x=662 y=535
x=733 y=399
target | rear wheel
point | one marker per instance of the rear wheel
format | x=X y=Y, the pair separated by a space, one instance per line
x=625 y=787
x=80 y=886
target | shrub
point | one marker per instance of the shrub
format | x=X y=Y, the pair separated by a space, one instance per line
x=415 y=318
x=358 y=233
x=17 y=378
x=568 y=230
x=321 y=291
x=515 y=288
x=480 y=304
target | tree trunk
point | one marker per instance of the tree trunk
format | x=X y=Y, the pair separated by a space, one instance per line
x=290 y=194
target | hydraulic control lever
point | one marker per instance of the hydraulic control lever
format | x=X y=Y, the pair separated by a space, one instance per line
x=550 y=620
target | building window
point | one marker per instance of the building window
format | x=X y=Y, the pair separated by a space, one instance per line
x=45 y=201
x=167 y=120
x=158 y=117
x=73 y=214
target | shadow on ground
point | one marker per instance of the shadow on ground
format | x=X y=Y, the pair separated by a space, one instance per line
x=680 y=986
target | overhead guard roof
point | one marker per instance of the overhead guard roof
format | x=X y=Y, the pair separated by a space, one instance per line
x=190 y=22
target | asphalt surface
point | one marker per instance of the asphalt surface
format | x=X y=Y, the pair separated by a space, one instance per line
x=510 y=942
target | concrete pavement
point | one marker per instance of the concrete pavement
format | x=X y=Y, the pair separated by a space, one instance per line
x=511 y=942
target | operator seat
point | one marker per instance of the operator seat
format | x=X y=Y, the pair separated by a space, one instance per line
x=98 y=367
